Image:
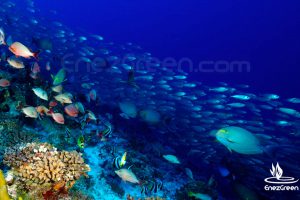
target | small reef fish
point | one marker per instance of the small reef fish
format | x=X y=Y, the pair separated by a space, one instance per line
x=128 y=108
x=3 y=188
x=241 y=97
x=2 y=37
x=107 y=131
x=80 y=142
x=58 y=118
x=119 y=162
x=152 y=187
x=199 y=196
x=71 y=110
x=42 y=110
x=30 y=112
x=21 y=50
x=48 y=66
x=15 y=63
x=64 y=98
x=93 y=95
x=80 y=107
x=155 y=187
x=91 y=116
x=172 y=159
x=239 y=140
x=290 y=111
x=59 y=78
x=294 y=100
x=4 y=83
x=219 y=89
x=127 y=176
x=42 y=94
x=53 y=104
x=189 y=173
x=35 y=68
x=57 y=89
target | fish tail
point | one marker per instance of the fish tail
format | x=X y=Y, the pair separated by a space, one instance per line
x=36 y=55
x=141 y=182
x=50 y=112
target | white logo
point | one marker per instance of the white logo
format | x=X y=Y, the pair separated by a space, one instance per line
x=278 y=178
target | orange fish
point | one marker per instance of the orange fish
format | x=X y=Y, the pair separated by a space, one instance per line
x=72 y=110
x=4 y=83
x=58 y=118
x=53 y=104
x=42 y=110
x=21 y=50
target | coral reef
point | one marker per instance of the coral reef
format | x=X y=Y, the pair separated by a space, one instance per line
x=8 y=123
x=9 y=138
x=41 y=170
x=146 y=198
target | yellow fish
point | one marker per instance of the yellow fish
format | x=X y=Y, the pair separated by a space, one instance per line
x=3 y=190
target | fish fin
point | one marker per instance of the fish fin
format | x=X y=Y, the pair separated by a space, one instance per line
x=229 y=149
x=36 y=54
x=52 y=76
x=231 y=141
x=130 y=167
x=50 y=112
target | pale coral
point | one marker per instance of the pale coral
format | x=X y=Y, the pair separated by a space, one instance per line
x=41 y=165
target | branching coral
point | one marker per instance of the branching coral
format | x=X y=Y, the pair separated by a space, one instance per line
x=9 y=139
x=9 y=124
x=40 y=165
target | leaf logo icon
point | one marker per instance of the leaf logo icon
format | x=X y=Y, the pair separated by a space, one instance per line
x=273 y=171
x=279 y=172
x=277 y=177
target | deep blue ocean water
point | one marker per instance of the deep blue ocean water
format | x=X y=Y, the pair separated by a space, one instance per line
x=265 y=34
x=123 y=110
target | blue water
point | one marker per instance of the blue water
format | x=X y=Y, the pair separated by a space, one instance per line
x=192 y=98
x=265 y=34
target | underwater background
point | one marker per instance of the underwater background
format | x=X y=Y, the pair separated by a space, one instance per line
x=149 y=99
